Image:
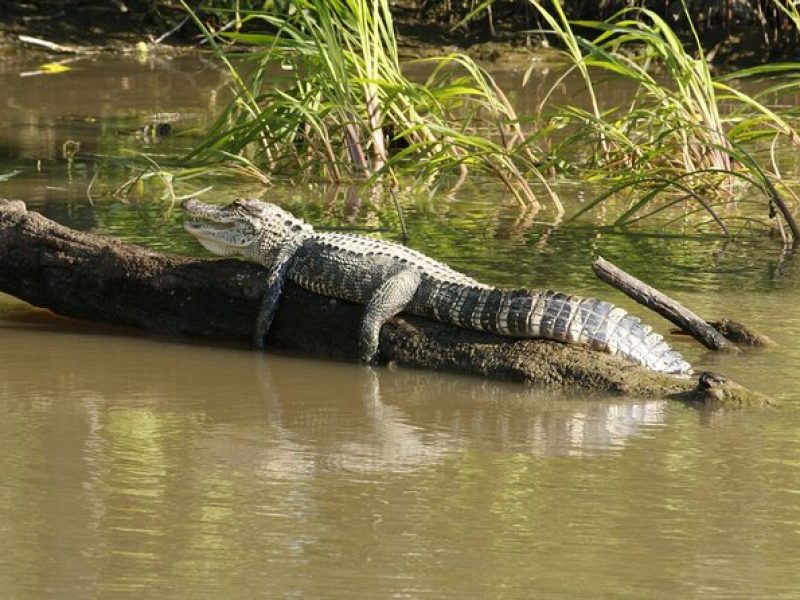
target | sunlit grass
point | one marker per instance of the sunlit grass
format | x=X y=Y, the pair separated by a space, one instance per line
x=323 y=98
x=8 y=175
x=683 y=133
x=328 y=100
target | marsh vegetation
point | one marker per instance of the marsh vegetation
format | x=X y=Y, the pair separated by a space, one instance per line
x=326 y=98
x=320 y=94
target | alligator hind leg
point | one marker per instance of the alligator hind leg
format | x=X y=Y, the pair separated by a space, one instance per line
x=389 y=299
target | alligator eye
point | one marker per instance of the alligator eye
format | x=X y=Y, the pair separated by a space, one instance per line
x=296 y=227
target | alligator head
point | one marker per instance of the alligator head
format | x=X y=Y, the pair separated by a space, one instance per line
x=250 y=228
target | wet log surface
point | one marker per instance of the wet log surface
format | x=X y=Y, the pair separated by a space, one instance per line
x=92 y=277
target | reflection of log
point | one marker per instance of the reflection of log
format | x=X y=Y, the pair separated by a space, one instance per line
x=662 y=304
x=91 y=277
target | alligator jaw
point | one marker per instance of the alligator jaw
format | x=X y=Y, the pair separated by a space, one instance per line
x=221 y=230
x=204 y=212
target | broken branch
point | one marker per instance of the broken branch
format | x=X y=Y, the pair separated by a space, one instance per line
x=659 y=302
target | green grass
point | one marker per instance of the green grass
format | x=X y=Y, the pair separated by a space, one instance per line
x=321 y=96
x=682 y=132
x=327 y=100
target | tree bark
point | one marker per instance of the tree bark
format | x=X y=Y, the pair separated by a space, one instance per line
x=87 y=276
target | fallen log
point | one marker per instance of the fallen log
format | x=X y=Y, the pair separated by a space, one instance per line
x=87 y=276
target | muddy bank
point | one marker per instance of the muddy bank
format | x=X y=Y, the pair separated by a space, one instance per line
x=99 y=279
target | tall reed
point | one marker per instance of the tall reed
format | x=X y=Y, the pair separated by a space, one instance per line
x=326 y=99
x=341 y=108
x=680 y=130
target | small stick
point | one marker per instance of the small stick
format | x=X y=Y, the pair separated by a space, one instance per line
x=52 y=46
x=779 y=203
x=161 y=38
x=354 y=148
x=662 y=304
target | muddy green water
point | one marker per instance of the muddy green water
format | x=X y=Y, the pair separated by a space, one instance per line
x=147 y=467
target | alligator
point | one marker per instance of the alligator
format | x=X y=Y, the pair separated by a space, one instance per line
x=389 y=278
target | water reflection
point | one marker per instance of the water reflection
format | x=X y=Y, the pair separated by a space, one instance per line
x=139 y=450
x=155 y=467
x=97 y=111
x=181 y=467
x=360 y=419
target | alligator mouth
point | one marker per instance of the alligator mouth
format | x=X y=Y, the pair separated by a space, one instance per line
x=217 y=229
x=209 y=226
x=200 y=212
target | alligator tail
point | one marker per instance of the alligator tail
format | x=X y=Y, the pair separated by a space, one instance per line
x=561 y=317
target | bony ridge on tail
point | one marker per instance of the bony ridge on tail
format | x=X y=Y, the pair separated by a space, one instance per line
x=388 y=278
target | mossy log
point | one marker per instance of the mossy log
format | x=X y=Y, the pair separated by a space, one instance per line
x=86 y=276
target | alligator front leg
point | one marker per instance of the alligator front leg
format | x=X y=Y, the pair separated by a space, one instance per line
x=269 y=304
x=388 y=300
